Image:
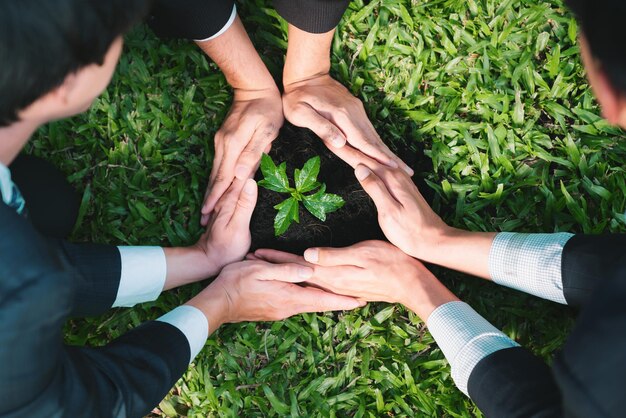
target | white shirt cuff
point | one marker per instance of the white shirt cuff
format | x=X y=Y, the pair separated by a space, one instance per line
x=465 y=338
x=191 y=322
x=144 y=270
x=6 y=185
x=228 y=24
x=530 y=263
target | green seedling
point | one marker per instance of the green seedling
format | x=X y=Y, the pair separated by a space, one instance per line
x=307 y=190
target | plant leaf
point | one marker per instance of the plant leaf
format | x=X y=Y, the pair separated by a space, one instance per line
x=275 y=178
x=288 y=211
x=306 y=179
x=321 y=203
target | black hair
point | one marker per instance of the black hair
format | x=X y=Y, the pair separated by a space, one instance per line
x=43 y=41
x=601 y=22
x=356 y=221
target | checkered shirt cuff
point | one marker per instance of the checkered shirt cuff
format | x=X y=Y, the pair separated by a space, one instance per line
x=530 y=263
x=465 y=338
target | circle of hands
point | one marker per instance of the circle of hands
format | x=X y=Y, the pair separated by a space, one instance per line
x=273 y=285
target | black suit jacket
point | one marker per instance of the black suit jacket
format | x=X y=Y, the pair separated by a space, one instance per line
x=588 y=377
x=42 y=283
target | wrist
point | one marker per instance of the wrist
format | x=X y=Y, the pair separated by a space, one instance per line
x=187 y=265
x=244 y=94
x=434 y=241
x=308 y=55
x=427 y=295
x=213 y=303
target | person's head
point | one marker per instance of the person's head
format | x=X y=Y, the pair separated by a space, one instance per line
x=603 y=49
x=58 y=55
x=356 y=221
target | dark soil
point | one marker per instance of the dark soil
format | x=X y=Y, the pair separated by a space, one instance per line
x=355 y=222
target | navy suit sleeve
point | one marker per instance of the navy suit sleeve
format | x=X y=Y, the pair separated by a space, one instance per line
x=39 y=375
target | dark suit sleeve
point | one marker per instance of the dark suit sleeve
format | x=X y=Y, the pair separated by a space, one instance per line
x=514 y=383
x=587 y=260
x=96 y=271
x=314 y=16
x=589 y=375
x=190 y=19
x=39 y=376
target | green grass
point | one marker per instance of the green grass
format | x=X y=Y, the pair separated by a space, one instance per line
x=494 y=91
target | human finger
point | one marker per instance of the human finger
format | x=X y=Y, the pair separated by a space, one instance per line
x=245 y=205
x=275 y=256
x=329 y=256
x=251 y=155
x=312 y=299
x=375 y=187
x=287 y=272
x=303 y=115
x=223 y=174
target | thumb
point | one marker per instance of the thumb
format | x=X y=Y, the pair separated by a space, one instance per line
x=245 y=205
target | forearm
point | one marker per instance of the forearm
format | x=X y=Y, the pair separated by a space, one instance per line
x=456 y=249
x=308 y=55
x=234 y=54
x=531 y=263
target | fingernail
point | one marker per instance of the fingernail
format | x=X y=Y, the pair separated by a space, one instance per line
x=312 y=255
x=362 y=172
x=337 y=142
x=241 y=172
x=408 y=170
x=305 y=272
x=249 y=187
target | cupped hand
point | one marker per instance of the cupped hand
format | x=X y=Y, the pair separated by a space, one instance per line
x=227 y=238
x=323 y=105
x=251 y=125
x=373 y=271
x=403 y=214
x=256 y=290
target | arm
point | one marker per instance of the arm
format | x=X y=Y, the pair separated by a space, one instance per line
x=314 y=100
x=503 y=379
x=255 y=116
x=256 y=113
x=42 y=377
x=108 y=276
x=560 y=267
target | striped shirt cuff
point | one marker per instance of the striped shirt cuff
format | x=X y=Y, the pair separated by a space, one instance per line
x=144 y=270
x=465 y=338
x=530 y=263
x=227 y=26
x=191 y=322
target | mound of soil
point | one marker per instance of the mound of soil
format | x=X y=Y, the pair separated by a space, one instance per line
x=356 y=221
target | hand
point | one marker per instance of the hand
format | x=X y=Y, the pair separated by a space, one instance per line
x=410 y=224
x=323 y=105
x=374 y=271
x=227 y=237
x=261 y=291
x=252 y=124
